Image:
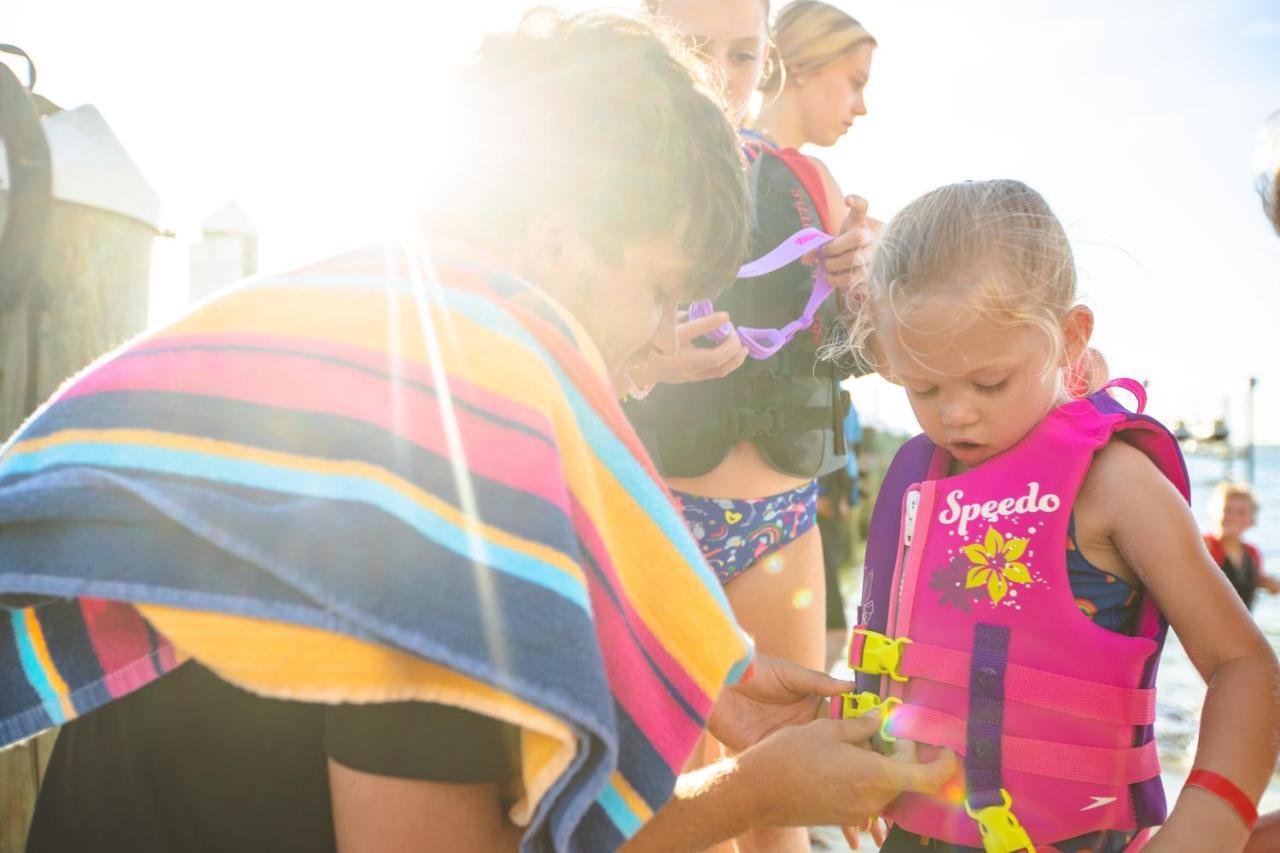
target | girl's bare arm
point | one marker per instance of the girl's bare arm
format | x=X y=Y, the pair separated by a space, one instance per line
x=1155 y=533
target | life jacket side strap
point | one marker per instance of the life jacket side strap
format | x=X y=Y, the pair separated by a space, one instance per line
x=875 y=654
x=1095 y=765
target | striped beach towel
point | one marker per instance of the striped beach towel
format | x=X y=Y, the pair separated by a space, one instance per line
x=398 y=474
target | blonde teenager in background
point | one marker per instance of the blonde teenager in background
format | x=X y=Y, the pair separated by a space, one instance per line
x=813 y=97
x=817 y=92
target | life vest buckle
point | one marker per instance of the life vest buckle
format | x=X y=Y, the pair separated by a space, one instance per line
x=1001 y=831
x=880 y=654
x=860 y=704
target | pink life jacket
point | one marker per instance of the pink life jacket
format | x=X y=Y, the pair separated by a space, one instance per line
x=969 y=637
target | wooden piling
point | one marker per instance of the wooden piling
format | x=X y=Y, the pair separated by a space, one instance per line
x=93 y=282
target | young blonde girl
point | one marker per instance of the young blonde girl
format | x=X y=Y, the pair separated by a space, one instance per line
x=972 y=308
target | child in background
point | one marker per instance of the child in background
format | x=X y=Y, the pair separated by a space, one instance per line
x=1018 y=617
x=1235 y=510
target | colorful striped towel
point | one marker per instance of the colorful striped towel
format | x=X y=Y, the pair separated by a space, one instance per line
x=397 y=474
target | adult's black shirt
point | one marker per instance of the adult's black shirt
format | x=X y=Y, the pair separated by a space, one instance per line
x=191 y=763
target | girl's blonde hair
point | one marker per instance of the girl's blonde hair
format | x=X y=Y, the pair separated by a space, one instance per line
x=997 y=241
x=811 y=35
x=1225 y=491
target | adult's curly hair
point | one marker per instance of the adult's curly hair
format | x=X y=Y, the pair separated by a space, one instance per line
x=606 y=122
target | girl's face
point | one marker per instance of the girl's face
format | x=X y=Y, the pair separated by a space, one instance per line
x=832 y=97
x=976 y=387
x=1237 y=515
x=733 y=36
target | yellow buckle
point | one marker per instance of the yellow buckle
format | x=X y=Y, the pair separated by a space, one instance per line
x=1001 y=832
x=880 y=655
x=858 y=704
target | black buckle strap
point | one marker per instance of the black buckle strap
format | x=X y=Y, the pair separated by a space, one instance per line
x=742 y=424
x=843 y=403
x=30 y=189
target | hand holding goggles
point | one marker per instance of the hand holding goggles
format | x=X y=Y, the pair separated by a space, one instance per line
x=763 y=343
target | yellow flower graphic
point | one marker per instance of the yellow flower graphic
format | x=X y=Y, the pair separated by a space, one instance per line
x=995 y=563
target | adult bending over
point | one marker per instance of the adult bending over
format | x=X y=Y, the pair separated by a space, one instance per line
x=365 y=557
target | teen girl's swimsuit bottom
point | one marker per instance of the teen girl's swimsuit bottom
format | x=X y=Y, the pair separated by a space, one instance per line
x=735 y=534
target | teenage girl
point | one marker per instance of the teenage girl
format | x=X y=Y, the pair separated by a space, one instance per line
x=749 y=493
x=741 y=441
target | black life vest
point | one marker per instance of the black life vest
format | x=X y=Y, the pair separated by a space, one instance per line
x=1243 y=578
x=791 y=405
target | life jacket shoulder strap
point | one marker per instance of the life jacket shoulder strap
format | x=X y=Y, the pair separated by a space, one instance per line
x=810 y=180
x=1256 y=555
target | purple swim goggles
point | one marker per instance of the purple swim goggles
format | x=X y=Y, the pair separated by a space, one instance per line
x=762 y=343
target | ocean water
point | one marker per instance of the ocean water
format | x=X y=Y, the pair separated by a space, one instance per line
x=1180 y=688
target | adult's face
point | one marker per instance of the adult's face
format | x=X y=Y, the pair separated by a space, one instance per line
x=733 y=36
x=832 y=97
x=626 y=303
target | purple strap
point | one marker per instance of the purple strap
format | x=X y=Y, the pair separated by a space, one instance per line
x=986 y=715
x=762 y=343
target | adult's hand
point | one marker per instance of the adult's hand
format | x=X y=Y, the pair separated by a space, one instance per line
x=845 y=258
x=824 y=773
x=820 y=773
x=779 y=694
x=691 y=363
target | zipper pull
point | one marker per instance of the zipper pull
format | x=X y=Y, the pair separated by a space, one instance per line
x=909 y=524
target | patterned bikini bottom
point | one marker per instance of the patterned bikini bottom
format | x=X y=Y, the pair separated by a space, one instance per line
x=736 y=534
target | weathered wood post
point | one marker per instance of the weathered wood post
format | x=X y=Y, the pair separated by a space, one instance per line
x=89 y=292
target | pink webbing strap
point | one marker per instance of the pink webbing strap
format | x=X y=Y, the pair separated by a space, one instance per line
x=763 y=343
x=1134 y=387
x=1126 y=705
x=1095 y=765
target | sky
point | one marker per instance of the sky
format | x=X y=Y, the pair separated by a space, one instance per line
x=1137 y=121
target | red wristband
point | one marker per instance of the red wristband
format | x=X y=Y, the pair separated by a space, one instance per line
x=1224 y=788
